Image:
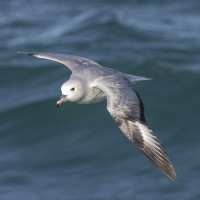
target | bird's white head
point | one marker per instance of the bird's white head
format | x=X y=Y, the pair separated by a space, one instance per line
x=72 y=90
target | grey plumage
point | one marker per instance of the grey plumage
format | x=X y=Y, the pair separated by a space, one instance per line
x=71 y=61
x=126 y=108
x=123 y=103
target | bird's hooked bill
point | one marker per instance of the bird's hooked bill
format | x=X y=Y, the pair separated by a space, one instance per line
x=62 y=99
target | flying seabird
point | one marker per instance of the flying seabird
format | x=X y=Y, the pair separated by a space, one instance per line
x=90 y=83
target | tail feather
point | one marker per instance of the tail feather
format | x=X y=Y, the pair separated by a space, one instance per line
x=134 y=79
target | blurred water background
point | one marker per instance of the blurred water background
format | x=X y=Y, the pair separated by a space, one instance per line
x=77 y=151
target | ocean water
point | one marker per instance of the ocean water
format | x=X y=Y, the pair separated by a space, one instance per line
x=77 y=152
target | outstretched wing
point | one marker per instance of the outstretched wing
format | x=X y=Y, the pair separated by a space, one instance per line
x=126 y=108
x=72 y=62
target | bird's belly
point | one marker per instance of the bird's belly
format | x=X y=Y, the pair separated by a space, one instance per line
x=93 y=96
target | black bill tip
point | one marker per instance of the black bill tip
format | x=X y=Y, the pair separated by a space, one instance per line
x=57 y=105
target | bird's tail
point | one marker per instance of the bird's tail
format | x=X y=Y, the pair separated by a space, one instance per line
x=134 y=79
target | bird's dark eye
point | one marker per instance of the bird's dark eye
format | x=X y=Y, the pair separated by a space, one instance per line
x=72 y=89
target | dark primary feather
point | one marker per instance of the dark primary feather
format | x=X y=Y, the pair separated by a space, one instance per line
x=126 y=108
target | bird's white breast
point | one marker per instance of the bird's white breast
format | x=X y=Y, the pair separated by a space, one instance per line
x=94 y=95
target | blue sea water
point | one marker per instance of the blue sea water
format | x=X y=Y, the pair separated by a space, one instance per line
x=77 y=151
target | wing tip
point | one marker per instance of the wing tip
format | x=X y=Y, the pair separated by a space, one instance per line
x=175 y=179
x=168 y=170
x=153 y=149
x=172 y=175
x=27 y=53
